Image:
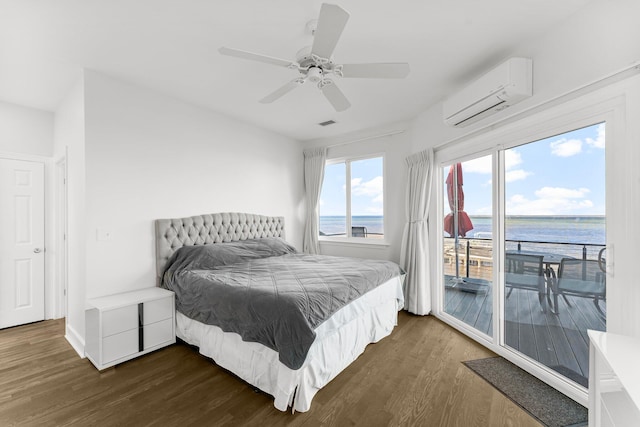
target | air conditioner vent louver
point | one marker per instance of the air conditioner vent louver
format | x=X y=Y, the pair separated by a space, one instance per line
x=505 y=85
x=481 y=114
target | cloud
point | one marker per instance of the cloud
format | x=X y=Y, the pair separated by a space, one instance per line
x=599 y=142
x=479 y=165
x=374 y=210
x=516 y=175
x=484 y=210
x=566 y=147
x=561 y=193
x=551 y=201
x=354 y=183
x=371 y=188
x=512 y=158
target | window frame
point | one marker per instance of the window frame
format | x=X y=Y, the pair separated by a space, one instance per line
x=348 y=239
x=567 y=116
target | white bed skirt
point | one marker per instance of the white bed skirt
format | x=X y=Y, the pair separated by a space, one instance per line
x=339 y=341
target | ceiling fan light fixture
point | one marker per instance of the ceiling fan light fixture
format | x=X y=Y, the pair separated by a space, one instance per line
x=314 y=74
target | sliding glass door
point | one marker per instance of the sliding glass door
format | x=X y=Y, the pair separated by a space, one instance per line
x=523 y=244
x=468 y=243
x=554 y=216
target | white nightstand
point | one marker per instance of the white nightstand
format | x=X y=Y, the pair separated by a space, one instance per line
x=614 y=380
x=127 y=325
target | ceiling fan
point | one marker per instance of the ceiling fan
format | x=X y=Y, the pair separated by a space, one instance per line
x=315 y=63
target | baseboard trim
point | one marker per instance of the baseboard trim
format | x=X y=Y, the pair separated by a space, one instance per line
x=75 y=340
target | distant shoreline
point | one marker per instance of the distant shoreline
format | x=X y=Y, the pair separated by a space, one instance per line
x=542 y=216
x=353 y=216
x=485 y=216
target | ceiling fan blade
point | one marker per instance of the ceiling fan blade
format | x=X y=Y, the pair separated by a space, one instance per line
x=331 y=22
x=335 y=96
x=255 y=57
x=278 y=93
x=398 y=70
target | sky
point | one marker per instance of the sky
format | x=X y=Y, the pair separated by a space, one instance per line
x=366 y=188
x=560 y=175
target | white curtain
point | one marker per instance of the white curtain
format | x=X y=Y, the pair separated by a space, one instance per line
x=314 y=160
x=414 y=256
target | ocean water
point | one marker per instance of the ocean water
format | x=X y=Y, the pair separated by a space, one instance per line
x=337 y=225
x=561 y=234
x=560 y=229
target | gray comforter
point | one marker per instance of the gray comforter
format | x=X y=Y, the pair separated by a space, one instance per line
x=266 y=292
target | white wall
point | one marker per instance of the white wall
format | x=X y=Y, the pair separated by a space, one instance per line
x=69 y=136
x=598 y=41
x=395 y=149
x=25 y=130
x=149 y=156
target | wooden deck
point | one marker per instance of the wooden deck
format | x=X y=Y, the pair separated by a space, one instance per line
x=558 y=341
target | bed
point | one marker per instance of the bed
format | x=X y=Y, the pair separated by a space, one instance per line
x=236 y=280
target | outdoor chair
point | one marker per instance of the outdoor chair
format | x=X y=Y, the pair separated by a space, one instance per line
x=358 y=231
x=526 y=272
x=580 y=278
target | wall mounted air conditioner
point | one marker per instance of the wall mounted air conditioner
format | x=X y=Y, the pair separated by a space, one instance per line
x=505 y=85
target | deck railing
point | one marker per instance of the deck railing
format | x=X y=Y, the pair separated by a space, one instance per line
x=479 y=251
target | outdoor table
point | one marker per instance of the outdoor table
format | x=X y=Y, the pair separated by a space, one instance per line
x=549 y=259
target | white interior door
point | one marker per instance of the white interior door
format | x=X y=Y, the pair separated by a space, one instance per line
x=21 y=242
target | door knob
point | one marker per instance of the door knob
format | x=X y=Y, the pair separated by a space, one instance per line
x=37 y=250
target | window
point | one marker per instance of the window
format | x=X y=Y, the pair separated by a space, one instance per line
x=355 y=210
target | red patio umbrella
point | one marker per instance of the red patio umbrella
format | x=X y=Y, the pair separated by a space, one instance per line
x=464 y=225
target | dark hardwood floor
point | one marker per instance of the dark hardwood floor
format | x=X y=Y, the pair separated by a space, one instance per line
x=412 y=378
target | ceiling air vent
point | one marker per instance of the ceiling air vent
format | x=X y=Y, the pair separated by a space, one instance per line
x=327 y=123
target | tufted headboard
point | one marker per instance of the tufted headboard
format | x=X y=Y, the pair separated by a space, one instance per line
x=172 y=234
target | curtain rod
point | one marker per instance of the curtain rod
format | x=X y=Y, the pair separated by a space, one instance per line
x=365 y=138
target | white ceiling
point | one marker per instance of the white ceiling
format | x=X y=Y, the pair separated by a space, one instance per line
x=172 y=46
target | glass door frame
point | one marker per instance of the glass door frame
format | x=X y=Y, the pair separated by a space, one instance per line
x=554 y=121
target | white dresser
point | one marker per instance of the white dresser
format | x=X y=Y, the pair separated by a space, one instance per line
x=614 y=380
x=123 y=326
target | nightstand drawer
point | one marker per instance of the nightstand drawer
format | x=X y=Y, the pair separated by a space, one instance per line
x=158 y=333
x=119 y=320
x=157 y=310
x=120 y=345
x=122 y=326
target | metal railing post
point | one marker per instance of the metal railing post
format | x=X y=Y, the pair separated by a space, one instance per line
x=468 y=253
